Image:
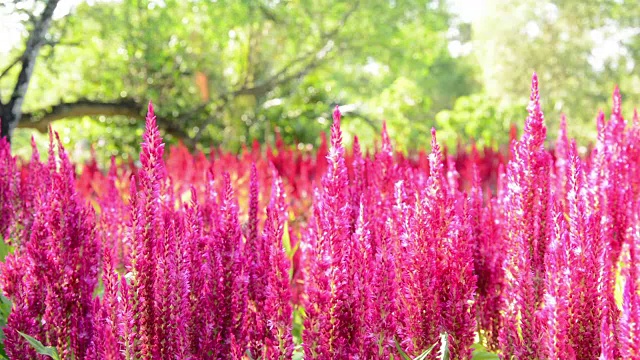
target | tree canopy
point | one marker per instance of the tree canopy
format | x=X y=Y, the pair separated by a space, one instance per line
x=226 y=72
x=580 y=49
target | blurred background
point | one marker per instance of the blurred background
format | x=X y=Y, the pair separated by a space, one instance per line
x=224 y=72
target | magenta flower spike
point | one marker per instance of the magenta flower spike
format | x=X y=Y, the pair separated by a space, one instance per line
x=617 y=103
x=329 y=327
x=257 y=272
x=583 y=260
x=458 y=306
x=384 y=290
x=488 y=259
x=629 y=322
x=146 y=236
x=231 y=285
x=199 y=273
x=8 y=189
x=556 y=311
x=111 y=219
x=359 y=180
x=423 y=236
x=108 y=314
x=54 y=302
x=455 y=268
x=562 y=158
x=278 y=307
x=392 y=253
x=526 y=204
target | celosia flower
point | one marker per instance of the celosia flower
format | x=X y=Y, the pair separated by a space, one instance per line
x=278 y=310
x=488 y=259
x=8 y=189
x=256 y=259
x=331 y=323
x=59 y=262
x=556 y=310
x=526 y=207
x=392 y=250
x=145 y=233
x=629 y=322
x=583 y=259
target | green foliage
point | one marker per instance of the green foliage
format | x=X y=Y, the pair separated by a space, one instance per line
x=5 y=303
x=481 y=353
x=298 y=326
x=479 y=118
x=442 y=354
x=484 y=355
x=230 y=71
x=296 y=332
x=5 y=249
x=5 y=310
x=580 y=50
x=40 y=348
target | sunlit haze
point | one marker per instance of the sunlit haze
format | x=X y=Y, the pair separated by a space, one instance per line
x=10 y=28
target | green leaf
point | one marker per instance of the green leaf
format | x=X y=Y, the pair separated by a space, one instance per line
x=422 y=356
x=298 y=353
x=286 y=241
x=41 y=349
x=426 y=353
x=5 y=310
x=401 y=352
x=443 y=353
x=5 y=249
x=484 y=355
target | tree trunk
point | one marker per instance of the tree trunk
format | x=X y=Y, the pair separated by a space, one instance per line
x=12 y=111
x=6 y=120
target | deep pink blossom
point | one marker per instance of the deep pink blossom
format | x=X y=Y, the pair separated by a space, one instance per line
x=527 y=211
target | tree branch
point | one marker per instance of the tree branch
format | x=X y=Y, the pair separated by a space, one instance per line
x=8 y=68
x=268 y=14
x=40 y=120
x=13 y=110
x=373 y=124
x=305 y=63
x=313 y=58
x=267 y=85
x=353 y=110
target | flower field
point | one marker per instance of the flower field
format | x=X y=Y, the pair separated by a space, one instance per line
x=341 y=254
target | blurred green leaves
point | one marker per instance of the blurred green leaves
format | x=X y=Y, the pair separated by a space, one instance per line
x=5 y=310
x=229 y=71
x=580 y=50
x=487 y=121
x=226 y=72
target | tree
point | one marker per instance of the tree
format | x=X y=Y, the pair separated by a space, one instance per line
x=229 y=71
x=11 y=111
x=564 y=42
x=478 y=117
